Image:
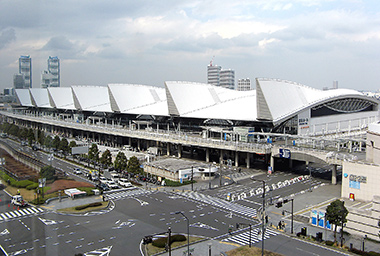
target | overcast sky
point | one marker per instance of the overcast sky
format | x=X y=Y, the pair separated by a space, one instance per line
x=312 y=42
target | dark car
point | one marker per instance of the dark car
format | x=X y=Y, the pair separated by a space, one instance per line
x=104 y=187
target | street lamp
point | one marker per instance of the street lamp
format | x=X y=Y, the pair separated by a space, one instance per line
x=188 y=232
x=262 y=217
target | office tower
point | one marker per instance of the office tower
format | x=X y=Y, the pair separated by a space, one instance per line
x=54 y=70
x=335 y=84
x=46 y=79
x=244 y=84
x=25 y=69
x=18 y=81
x=213 y=74
x=227 y=78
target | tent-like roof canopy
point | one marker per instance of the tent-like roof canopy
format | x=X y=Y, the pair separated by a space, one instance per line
x=91 y=98
x=273 y=100
x=40 y=97
x=61 y=98
x=138 y=99
x=197 y=100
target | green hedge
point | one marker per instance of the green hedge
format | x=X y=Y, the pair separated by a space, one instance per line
x=81 y=207
x=32 y=186
x=171 y=183
x=161 y=242
x=329 y=243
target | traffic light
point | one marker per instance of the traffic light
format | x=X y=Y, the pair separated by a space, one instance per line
x=279 y=204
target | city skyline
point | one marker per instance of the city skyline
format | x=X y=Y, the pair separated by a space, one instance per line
x=308 y=42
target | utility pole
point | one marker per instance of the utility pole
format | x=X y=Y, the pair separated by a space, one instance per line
x=192 y=173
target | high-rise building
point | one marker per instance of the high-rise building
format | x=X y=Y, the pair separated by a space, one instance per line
x=244 y=84
x=227 y=78
x=25 y=68
x=18 y=81
x=220 y=77
x=213 y=74
x=54 y=70
x=335 y=84
x=46 y=79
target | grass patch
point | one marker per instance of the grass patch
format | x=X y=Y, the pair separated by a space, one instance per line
x=86 y=209
x=154 y=250
x=253 y=251
x=28 y=195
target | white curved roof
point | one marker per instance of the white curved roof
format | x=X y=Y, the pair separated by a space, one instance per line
x=197 y=100
x=23 y=96
x=61 y=97
x=279 y=99
x=40 y=97
x=138 y=99
x=91 y=98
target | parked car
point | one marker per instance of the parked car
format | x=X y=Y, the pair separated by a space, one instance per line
x=18 y=200
x=125 y=183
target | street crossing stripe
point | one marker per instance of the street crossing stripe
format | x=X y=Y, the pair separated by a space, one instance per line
x=20 y=213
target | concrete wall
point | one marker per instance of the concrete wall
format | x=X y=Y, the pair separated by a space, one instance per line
x=363 y=191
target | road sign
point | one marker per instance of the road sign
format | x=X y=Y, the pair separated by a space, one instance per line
x=285 y=153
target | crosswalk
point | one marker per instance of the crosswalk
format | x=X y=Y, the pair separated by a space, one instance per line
x=256 y=236
x=20 y=213
x=220 y=203
x=126 y=193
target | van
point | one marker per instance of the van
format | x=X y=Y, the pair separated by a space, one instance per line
x=18 y=201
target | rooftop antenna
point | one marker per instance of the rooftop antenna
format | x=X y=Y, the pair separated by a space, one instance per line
x=212 y=60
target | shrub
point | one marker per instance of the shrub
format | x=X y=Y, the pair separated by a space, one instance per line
x=24 y=183
x=161 y=242
x=364 y=253
x=329 y=243
x=32 y=186
x=82 y=207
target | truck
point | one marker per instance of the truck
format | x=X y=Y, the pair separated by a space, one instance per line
x=18 y=200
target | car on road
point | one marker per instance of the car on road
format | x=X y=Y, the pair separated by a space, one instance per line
x=112 y=185
x=104 y=186
x=18 y=200
x=77 y=171
x=125 y=183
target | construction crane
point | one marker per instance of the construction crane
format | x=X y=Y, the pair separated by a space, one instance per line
x=212 y=60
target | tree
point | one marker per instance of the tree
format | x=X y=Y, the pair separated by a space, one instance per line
x=106 y=158
x=72 y=144
x=93 y=153
x=134 y=165
x=120 y=162
x=40 y=137
x=48 y=141
x=336 y=214
x=64 y=146
x=23 y=133
x=31 y=137
x=56 y=142
x=48 y=172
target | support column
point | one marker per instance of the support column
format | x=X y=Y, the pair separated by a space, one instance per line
x=248 y=161
x=236 y=158
x=207 y=155
x=272 y=162
x=333 y=176
x=221 y=157
x=290 y=163
x=138 y=144
x=168 y=149
x=179 y=150
x=130 y=141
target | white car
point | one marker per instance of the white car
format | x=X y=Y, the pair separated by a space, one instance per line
x=77 y=171
x=125 y=183
x=112 y=185
x=18 y=200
